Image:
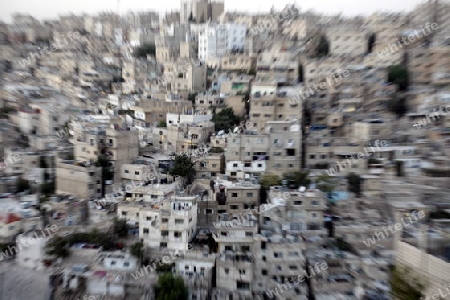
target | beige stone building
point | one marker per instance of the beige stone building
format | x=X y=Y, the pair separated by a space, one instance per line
x=269 y=103
x=152 y=110
x=235 y=198
x=80 y=179
x=347 y=39
x=185 y=76
x=168 y=225
x=210 y=166
x=119 y=146
x=277 y=150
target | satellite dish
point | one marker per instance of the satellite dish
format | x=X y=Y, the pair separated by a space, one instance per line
x=301 y=189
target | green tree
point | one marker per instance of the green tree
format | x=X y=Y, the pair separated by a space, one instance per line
x=398 y=74
x=300 y=73
x=326 y=183
x=191 y=18
x=137 y=250
x=225 y=119
x=343 y=245
x=405 y=285
x=183 y=166
x=192 y=96
x=170 y=287
x=354 y=183
x=162 y=124
x=144 y=50
x=107 y=174
x=48 y=188
x=22 y=185
x=298 y=178
x=57 y=246
x=268 y=180
x=397 y=105
x=164 y=268
x=371 y=42
x=323 y=47
x=4 y=112
x=216 y=150
x=399 y=168
x=120 y=227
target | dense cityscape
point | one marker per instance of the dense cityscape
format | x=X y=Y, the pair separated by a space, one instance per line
x=209 y=154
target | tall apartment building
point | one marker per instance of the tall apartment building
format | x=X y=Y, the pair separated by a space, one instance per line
x=235 y=265
x=185 y=77
x=188 y=133
x=269 y=103
x=80 y=179
x=235 y=197
x=347 y=39
x=277 y=150
x=119 y=146
x=170 y=225
x=153 y=109
x=289 y=219
x=429 y=66
x=433 y=11
x=216 y=40
x=201 y=10
x=386 y=28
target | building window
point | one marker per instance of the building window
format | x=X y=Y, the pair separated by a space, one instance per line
x=248 y=234
x=179 y=221
x=249 y=194
x=164 y=220
x=234 y=207
x=293 y=254
x=227 y=271
x=298 y=202
x=136 y=173
x=241 y=272
x=234 y=195
x=145 y=230
x=209 y=211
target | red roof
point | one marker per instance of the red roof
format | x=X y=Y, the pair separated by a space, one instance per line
x=10 y=218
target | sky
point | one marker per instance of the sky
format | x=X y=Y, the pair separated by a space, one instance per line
x=46 y=9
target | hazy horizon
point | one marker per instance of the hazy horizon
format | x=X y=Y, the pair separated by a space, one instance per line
x=47 y=9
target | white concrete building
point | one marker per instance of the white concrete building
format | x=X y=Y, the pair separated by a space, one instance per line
x=118 y=261
x=170 y=225
x=31 y=252
x=216 y=40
